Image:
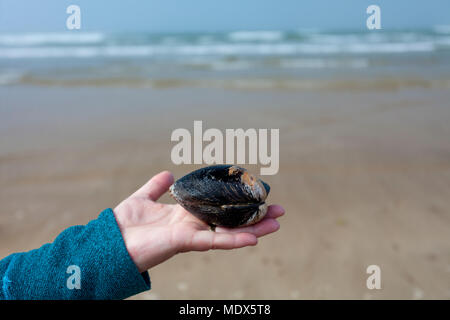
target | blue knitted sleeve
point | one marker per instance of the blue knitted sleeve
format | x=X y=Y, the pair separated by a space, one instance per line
x=84 y=262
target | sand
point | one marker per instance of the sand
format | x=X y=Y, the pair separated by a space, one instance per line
x=364 y=178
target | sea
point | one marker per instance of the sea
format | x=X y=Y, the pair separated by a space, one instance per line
x=305 y=59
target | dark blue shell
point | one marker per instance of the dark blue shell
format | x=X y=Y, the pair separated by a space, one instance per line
x=222 y=195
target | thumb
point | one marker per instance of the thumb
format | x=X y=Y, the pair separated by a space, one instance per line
x=156 y=186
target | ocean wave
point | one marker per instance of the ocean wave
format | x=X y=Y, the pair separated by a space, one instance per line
x=213 y=49
x=274 y=63
x=357 y=84
x=256 y=35
x=34 y=39
x=443 y=41
x=391 y=47
x=315 y=63
x=263 y=43
x=444 y=29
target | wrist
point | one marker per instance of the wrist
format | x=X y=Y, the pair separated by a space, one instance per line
x=133 y=248
x=146 y=246
x=127 y=236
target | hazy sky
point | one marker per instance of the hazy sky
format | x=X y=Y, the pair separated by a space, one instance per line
x=215 y=15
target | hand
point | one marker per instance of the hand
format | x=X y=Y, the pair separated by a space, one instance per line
x=153 y=232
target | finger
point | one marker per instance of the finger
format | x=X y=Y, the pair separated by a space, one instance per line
x=206 y=240
x=156 y=186
x=262 y=228
x=274 y=211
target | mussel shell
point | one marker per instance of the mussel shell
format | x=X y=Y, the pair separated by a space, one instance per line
x=222 y=195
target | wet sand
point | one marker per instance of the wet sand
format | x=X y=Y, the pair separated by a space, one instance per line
x=364 y=177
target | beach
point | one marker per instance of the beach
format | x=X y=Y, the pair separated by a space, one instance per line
x=364 y=179
x=364 y=168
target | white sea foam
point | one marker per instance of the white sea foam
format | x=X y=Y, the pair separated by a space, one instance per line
x=256 y=35
x=265 y=49
x=444 y=41
x=262 y=43
x=33 y=39
x=445 y=29
x=390 y=47
x=319 y=63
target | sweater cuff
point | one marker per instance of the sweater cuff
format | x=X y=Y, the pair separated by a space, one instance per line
x=94 y=254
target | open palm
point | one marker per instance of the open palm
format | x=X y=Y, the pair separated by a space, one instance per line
x=153 y=232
